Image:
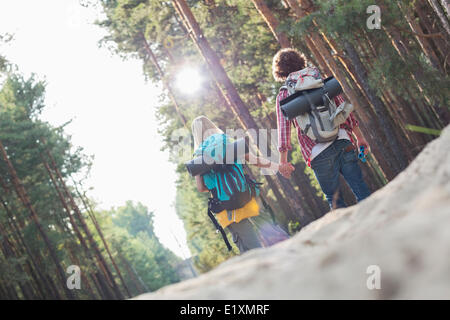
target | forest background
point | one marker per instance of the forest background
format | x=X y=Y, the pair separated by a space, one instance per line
x=396 y=76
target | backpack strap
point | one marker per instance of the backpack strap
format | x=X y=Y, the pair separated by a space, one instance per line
x=283 y=87
x=218 y=226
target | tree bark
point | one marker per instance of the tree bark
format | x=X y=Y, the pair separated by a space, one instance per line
x=34 y=261
x=166 y=85
x=357 y=71
x=441 y=43
x=91 y=213
x=71 y=218
x=20 y=190
x=9 y=251
x=440 y=13
x=396 y=147
x=272 y=22
x=423 y=42
x=229 y=91
x=99 y=256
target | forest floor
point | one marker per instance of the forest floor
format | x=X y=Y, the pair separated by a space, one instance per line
x=400 y=233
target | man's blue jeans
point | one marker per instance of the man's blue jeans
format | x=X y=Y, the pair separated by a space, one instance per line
x=332 y=162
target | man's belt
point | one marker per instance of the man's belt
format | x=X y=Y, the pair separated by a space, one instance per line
x=349 y=148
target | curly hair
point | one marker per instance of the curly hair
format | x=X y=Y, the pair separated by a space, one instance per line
x=286 y=61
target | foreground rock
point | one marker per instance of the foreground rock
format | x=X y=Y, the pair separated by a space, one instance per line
x=403 y=229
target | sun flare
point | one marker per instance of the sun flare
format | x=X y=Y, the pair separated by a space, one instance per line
x=189 y=80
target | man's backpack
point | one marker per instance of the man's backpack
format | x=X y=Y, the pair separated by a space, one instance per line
x=321 y=123
x=230 y=188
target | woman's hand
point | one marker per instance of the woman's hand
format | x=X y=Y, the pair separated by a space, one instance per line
x=261 y=162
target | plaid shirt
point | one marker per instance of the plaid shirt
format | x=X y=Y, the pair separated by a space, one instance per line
x=306 y=143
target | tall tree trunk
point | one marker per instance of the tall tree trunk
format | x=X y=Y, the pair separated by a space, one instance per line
x=230 y=93
x=356 y=70
x=10 y=252
x=440 y=13
x=299 y=12
x=101 y=260
x=22 y=194
x=340 y=76
x=396 y=147
x=288 y=211
x=422 y=40
x=272 y=22
x=166 y=85
x=34 y=262
x=441 y=43
x=84 y=278
x=91 y=213
x=69 y=214
x=24 y=248
x=446 y=5
x=280 y=184
x=401 y=46
x=329 y=64
x=219 y=93
x=316 y=203
x=140 y=286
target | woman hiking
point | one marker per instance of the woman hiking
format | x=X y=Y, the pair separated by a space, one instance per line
x=235 y=197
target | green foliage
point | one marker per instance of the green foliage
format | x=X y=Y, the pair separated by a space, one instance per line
x=424 y=130
x=128 y=229
x=294 y=227
x=394 y=64
x=145 y=262
x=245 y=47
x=22 y=133
x=228 y=25
x=345 y=20
x=134 y=219
x=4 y=63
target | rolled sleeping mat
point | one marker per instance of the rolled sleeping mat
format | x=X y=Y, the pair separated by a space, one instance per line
x=300 y=102
x=237 y=150
x=234 y=151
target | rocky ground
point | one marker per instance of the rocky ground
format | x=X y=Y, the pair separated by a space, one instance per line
x=402 y=233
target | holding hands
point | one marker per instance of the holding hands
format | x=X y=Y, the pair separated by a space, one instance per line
x=286 y=169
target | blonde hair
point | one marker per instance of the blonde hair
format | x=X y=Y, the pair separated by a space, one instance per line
x=202 y=128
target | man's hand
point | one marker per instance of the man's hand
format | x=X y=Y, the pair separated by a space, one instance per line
x=363 y=142
x=286 y=169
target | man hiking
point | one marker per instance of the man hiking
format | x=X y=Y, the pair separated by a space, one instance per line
x=328 y=159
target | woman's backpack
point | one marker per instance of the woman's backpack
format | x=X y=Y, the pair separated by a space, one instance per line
x=230 y=188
